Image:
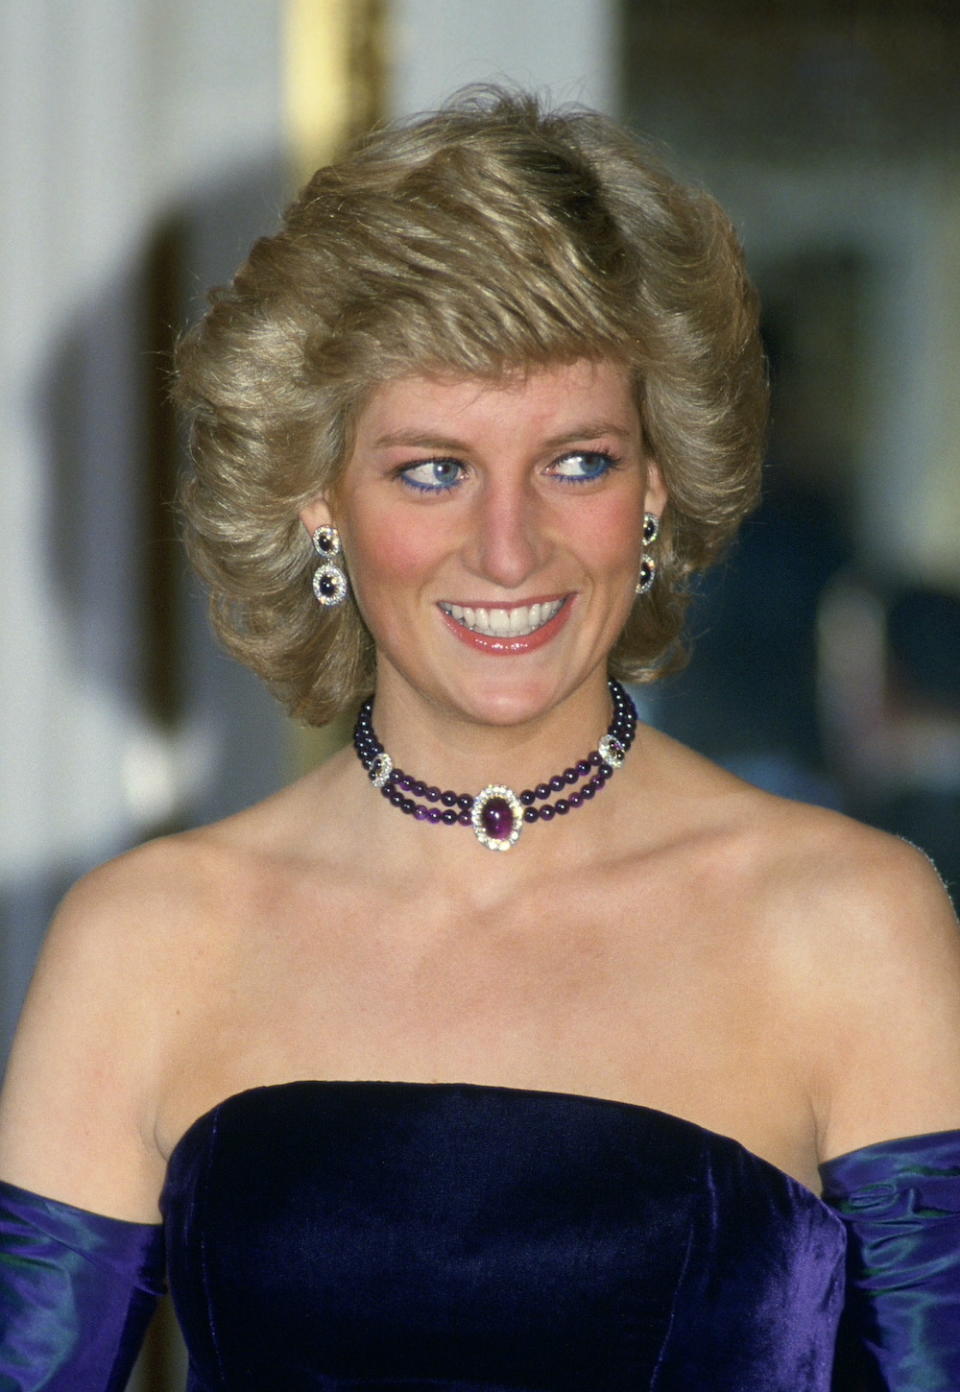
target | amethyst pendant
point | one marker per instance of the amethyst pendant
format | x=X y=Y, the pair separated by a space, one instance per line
x=497 y=817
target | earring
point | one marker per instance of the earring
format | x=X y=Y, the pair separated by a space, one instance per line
x=648 y=572
x=648 y=566
x=329 y=581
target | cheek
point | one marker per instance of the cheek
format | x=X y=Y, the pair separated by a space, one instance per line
x=610 y=537
x=382 y=551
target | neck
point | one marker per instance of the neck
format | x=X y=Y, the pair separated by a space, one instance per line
x=447 y=748
x=498 y=812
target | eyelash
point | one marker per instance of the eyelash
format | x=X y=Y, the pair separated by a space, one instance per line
x=609 y=462
x=407 y=471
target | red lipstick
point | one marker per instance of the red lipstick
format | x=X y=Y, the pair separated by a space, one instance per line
x=507 y=645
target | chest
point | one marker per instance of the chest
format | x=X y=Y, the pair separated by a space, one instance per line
x=600 y=993
x=560 y=965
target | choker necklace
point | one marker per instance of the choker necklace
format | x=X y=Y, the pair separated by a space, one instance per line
x=497 y=813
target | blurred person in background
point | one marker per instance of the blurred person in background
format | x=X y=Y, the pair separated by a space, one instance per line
x=516 y=1045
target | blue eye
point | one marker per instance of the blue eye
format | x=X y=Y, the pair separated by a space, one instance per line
x=433 y=475
x=583 y=466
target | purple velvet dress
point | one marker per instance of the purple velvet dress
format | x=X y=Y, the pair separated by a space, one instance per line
x=359 y=1235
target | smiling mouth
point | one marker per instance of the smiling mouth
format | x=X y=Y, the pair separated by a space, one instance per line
x=518 y=621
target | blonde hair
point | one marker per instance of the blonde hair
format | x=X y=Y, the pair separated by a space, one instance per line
x=491 y=236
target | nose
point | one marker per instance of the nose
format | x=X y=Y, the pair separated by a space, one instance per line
x=507 y=541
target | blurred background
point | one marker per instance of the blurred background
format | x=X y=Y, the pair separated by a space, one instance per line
x=145 y=144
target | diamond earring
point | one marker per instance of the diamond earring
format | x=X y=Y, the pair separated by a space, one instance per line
x=648 y=566
x=329 y=581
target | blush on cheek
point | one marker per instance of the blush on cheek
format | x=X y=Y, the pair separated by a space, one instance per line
x=610 y=534
x=397 y=553
x=388 y=562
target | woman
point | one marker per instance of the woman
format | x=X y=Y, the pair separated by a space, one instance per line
x=462 y=431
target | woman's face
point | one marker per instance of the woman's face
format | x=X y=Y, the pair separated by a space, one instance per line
x=493 y=532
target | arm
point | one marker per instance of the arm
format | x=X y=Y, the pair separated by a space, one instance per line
x=890 y=1008
x=889 y=1003
x=900 y=1202
x=80 y=1245
x=76 y=1294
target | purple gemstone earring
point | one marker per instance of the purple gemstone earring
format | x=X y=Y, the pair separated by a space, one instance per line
x=648 y=565
x=329 y=581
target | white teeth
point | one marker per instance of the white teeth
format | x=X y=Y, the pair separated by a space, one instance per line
x=517 y=622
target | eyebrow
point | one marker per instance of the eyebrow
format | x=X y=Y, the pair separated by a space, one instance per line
x=590 y=430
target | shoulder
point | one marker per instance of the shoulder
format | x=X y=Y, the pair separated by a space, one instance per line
x=112 y=987
x=865 y=948
x=117 y=940
x=139 y=906
x=189 y=881
x=816 y=888
x=786 y=862
x=860 y=947
x=138 y=949
x=813 y=851
x=140 y=939
x=164 y=904
x=835 y=882
x=141 y=954
x=781 y=856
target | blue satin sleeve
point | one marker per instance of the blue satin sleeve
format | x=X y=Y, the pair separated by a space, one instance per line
x=76 y=1293
x=900 y=1202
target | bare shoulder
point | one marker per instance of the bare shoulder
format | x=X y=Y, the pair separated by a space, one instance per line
x=810 y=875
x=129 y=916
x=855 y=937
x=192 y=883
x=836 y=882
x=868 y=947
x=115 y=974
x=792 y=856
x=783 y=855
x=132 y=935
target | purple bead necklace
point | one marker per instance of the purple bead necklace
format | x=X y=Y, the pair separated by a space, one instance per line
x=497 y=813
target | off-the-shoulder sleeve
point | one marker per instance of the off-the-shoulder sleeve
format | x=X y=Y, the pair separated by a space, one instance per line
x=900 y=1201
x=76 y=1293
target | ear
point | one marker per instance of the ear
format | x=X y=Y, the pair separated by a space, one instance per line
x=316 y=514
x=655 y=498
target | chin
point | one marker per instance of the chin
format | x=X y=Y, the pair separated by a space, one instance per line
x=504 y=704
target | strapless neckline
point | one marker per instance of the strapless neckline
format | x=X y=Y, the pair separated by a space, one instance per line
x=245 y=1096
x=364 y=1234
